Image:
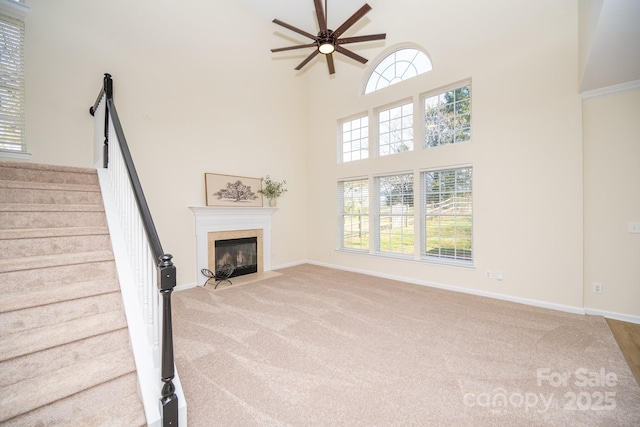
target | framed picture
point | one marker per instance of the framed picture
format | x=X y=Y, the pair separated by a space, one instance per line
x=228 y=190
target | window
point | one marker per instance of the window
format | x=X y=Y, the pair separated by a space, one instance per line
x=355 y=139
x=400 y=65
x=447 y=219
x=394 y=213
x=354 y=214
x=438 y=227
x=447 y=117
x=12 y=116
x=395 y=130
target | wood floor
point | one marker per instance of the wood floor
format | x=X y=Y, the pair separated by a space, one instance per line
x=628 y=337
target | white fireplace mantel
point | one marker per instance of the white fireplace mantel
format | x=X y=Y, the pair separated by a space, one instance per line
x=211 y=219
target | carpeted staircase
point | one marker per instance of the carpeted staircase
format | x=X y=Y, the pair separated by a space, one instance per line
x=65 y=355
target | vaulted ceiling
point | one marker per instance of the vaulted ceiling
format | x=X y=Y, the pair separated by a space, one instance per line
x=610 y=33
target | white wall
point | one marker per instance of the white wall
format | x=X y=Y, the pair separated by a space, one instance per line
x=196 y=92
x=612 y=199
x=526 y=148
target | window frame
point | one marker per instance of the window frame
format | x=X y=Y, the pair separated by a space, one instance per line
x=13 y=116
x=404 y=217
x=426 y=212
x=391 y=64
x=341 y=133
x=417 y=161
x=363 y=217
x=440 y=92
x=378 y=132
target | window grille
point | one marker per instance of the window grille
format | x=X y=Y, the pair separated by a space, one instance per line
x=447 y=117
x=395 y=130
x=400 y=65
x=355 y=139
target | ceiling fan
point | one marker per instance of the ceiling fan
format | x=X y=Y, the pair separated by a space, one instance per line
x=328 y=41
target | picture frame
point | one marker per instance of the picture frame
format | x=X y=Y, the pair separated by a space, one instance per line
x=230 y=190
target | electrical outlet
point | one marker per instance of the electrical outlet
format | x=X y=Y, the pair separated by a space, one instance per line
x=500 y=276
x=596 y=288
x=487 y=274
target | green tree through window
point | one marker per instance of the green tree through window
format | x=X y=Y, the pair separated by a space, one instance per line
x=447 y=117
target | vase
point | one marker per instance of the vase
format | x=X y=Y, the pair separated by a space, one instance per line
x=273 y=202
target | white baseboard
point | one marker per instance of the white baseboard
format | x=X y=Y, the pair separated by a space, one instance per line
x=613 y=315
x=526 y=301
x=185 y=286
x=292 y=264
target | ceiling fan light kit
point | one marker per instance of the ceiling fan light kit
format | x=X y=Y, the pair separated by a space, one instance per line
x=326 y=47
x=328 y=41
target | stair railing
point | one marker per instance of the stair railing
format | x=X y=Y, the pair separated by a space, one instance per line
x=144 y=267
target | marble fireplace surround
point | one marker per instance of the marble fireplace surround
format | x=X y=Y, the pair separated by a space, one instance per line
x=211 y=219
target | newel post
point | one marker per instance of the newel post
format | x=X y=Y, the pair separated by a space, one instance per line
x=169 y=400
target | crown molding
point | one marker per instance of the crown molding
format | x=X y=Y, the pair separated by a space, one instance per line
x=612 y=90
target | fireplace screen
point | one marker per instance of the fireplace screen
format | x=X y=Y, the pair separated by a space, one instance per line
x=240 y=253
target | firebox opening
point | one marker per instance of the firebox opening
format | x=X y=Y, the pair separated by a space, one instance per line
x=241 y=253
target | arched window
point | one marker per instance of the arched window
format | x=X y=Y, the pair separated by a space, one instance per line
x=400 y=65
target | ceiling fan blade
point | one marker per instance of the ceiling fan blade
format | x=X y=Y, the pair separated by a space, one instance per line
x=322 y=20
x=357 y=39
x=292 y=28
x=282 y=49
x=309 y=58
x=351 y=54
x=349 y=22
x=332 y=69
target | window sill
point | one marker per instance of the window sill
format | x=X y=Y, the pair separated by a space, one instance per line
x=411 y=258
x=20 y=155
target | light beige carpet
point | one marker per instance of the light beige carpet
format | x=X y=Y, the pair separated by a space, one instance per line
x=321 y=347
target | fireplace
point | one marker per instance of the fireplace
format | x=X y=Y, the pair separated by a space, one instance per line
x=220 y=223
x=240 y=248
x=241 y=253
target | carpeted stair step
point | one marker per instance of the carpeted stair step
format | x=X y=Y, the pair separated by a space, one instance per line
x=50 y=336
x=18 y=215
x=26 y=298
x=33 y=393
x=22 y=320
x=51 y=193
x=126 y=411
x=35 y=233
x=31 y=172
x=45 y=362
x=54 y=277
x=53 y=245
x=45 y=261
x=90 y=408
